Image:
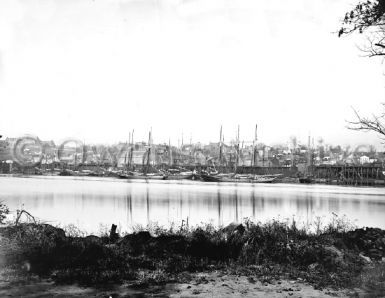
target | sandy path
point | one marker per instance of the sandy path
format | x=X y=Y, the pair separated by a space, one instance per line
x=212 y=284
x=221 y=286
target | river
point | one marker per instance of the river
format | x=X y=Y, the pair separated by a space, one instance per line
x=93 y=204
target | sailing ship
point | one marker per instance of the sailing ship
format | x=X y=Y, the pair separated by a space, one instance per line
x=308 y=178
x=178 y=173
x=235 y=177
x=145 y=175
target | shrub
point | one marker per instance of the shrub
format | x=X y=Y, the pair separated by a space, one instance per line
x=3 y=212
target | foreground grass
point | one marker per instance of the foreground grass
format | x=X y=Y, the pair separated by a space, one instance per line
x=334 y=257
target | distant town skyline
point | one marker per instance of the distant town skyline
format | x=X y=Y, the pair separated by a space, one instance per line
x=96 y=70
x=314 y=142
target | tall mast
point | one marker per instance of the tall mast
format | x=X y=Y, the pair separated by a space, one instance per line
x=181 y=159
x=308 y=154
x=127 y=156
x=153 y=151
x=132 y=148
x=255 y=152
x=223 y=142
x=150 y=146
x=76 y=149
x=220 y=147
x=241 y=151
x=237 y=152
x=170 y=152
x=84 y=156
x=126 y=160
x=148 y=151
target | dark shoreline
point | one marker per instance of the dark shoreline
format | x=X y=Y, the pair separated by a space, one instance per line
x=290 y=181
x=335 y=257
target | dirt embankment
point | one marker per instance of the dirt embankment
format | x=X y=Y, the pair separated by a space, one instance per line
x=216 y=284
x=256 y=258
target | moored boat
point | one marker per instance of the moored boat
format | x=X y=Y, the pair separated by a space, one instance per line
x=141 y=176
x=306 y=180
x=211 y=178
x=181 y=176
x=239 y=179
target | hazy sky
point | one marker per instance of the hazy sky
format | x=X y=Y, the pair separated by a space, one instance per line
x=98 y=69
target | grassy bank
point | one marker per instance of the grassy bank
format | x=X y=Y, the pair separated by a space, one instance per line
x=333 y=257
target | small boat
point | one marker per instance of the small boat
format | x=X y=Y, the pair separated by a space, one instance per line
x=239 y=178
x=211 y=178
x=258 y=178
x=66 y=172
x=181 y=176
x=141 y=176
x=153 y=177
x=97 y=174
x=266 y=178
x=306 y=180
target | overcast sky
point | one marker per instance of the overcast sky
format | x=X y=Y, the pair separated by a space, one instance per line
x=98 y=69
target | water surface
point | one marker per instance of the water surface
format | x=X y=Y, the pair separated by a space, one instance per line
x=95 y=203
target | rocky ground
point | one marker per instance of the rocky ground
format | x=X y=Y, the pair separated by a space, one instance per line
x=249 y=260
x=205 y=284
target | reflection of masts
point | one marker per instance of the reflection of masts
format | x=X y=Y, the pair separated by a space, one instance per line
x=253 y=202
x=129 y=199
x=236 y=205
x=219 y=201
x=148 y=205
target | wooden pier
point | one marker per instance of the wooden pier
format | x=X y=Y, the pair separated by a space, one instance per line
x=349 y=174
x=354 y=175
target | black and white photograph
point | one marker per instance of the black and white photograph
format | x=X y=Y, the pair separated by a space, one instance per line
x=192 y=148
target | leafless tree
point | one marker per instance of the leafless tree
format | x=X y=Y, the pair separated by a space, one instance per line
x=369 y=17
x=375 y=123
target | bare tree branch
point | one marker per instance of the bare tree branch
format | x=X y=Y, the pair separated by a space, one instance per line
x=376 y=123
x=19 y=214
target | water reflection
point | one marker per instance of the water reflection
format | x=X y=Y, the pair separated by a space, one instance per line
x=91 y=202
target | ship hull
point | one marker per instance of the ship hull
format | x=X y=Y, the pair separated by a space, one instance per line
x=216 y=178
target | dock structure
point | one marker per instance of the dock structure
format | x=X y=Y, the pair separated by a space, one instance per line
x=350 y=174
